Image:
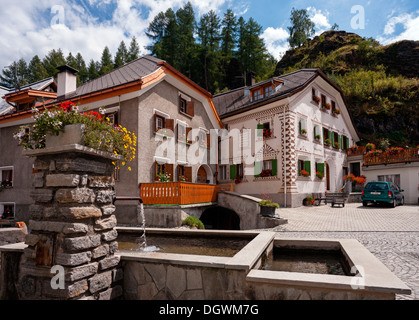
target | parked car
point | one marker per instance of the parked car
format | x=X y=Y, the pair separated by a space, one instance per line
x=382 y=192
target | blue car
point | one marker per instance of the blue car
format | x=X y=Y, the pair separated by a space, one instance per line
x=382 y=192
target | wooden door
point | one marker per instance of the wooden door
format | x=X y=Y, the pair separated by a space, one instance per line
x=327 y=177
x=202 y=175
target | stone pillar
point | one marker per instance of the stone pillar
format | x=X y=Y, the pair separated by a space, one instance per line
x=72 y=226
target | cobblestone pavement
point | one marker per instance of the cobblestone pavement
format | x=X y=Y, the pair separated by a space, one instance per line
x=391 y=234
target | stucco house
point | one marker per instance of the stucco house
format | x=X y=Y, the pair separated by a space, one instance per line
x=306 y=128
x=149 y=98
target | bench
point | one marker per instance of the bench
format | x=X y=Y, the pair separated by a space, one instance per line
x=338 y=198
x=318 y=198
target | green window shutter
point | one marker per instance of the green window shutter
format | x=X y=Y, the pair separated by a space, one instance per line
x=347 y=142
x=331 y=137
x=299 y=126
x=258 y=169
x=320 y=167
x=260 y=127
x=307 y=166
x=233 y=172
x=274 y=167
x=340 y=141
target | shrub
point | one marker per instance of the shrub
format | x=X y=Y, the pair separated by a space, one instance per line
x=268 y=203
x=193 y=223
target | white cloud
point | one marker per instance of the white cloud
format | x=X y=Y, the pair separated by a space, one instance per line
x=410 y=24
x=320 y=19
x=27 y=30
x=276 y=41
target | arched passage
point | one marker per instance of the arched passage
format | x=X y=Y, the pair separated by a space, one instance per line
x=220 y=218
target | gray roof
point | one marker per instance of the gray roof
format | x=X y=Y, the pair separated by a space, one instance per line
x=6 y=108
x=132 y=71
x=238 y=100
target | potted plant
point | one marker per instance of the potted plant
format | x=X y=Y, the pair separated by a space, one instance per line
x=326 y=106
x=304 y=173
x=316 y=99
x=370 y=146
x=353 y=149
x=267 y=133
x=303 y=132
x=373 y=153
x=266 y=173
x=182 y=178
x=268 y=208
x=319 y=175
x=239 y=179
x=336 y=111
x=336 y=145
x=393 y=151
x=327 y=142
x=93 y=131
x=317 y=137
x=308 y=201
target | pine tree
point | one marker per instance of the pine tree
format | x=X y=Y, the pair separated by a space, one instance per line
x=93 y=70
x=106 y=65
x=52 y=60
x=228 y=46
x=83 y=74
x=16 y=75
x=155 y=32
x=36 y=70
x=133 y=51
x=186 y=42
x=121 y=55
x=170 y=42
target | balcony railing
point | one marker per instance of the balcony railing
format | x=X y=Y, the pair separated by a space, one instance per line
x=359 y=152
x=407 y=155
x=180 y=193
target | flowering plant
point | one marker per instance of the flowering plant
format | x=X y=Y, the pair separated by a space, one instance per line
x=336 y=145
x=326 y=106
x=266 y=173
x=317 y=137
x=327 y=142
x=316 y=99
x=370 y=146
x=182 y=178
x=267 y=133
x=359 y=180
x=336 y=111
x=393 y=151
x=304 y=173
x=349 y=177
x=319 y=175
x=163 y=177
x=353 y=148
x=310 y=200
x=267 y=201
x=99 y=132
x=239 y=179
x=303 y=132
x=373 y=153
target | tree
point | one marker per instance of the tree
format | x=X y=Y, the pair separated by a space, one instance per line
x=133 y=51
x=92 y=70
x=186 y=25
x=169 y=48
x=106 y=64
x=16 y=75
x=228 y=35
x=83 y=74
x=335 y=27
x=301 y=28
x=36 y=70
x=121 y=56
x=209 y=53
x=52 y=60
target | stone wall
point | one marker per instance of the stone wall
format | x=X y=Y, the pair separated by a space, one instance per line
x=72 y=225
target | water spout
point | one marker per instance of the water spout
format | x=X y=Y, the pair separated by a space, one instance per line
x=143 y=238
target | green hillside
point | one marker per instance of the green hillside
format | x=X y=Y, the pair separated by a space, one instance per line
x=380 y=83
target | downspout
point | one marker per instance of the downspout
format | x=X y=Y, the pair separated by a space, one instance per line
x=285 y=163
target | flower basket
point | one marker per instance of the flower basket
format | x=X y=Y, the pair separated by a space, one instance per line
x=304 y=173
x=309 y=201
x=327 y=142
x=316 y=99
x=267 y=133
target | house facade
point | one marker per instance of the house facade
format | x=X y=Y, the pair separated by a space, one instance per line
x=306 y=128
x=147 y=97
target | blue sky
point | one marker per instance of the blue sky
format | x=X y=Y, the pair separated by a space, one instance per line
x=87 y=26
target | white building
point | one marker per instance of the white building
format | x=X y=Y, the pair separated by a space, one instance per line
x=296 y=127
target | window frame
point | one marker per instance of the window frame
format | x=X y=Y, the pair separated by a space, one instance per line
x=7 y=168
x=2 y=209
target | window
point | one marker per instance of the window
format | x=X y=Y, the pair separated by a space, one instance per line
x=6 y=174
x=203 y=141
x=7 y=210
x=159 y=122
x=323 y=100
x=113 y=118
x=302 y=127
x=394 y=178
x=333 y=106
x=181 y=133
x=317 y=133
x=222 y=174
x=257 y=95
x=183 y=105
x=304 y=168
x=267 y=165
x=268 y=91
x=181 y=173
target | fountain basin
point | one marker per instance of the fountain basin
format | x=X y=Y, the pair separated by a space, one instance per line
x=185 y=276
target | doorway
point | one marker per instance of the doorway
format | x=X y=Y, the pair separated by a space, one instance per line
x=201 y=176
x=327 y=177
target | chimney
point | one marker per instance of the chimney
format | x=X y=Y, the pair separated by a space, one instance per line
x=66 y=80
x=250 y=79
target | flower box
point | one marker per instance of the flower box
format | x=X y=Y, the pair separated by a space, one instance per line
x=266 y=173
x=317 y=137
x=316 y=99
x=336 y=111
x=336 y=145
x=303 y=132
x=239 y=179
x=319 y=175
x=267 y=133
x=327 y=142
x=326 y=106
x=268 y=208
x=304 y=173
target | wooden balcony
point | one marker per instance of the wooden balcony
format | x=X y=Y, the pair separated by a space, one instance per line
x=359 y=152
x=180 y=193
x=407 y=155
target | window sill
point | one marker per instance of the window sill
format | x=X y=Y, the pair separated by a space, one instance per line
x=185 y=114
x=317 y=142
x=302 y=178
x=303 y=136
x=270 y=178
